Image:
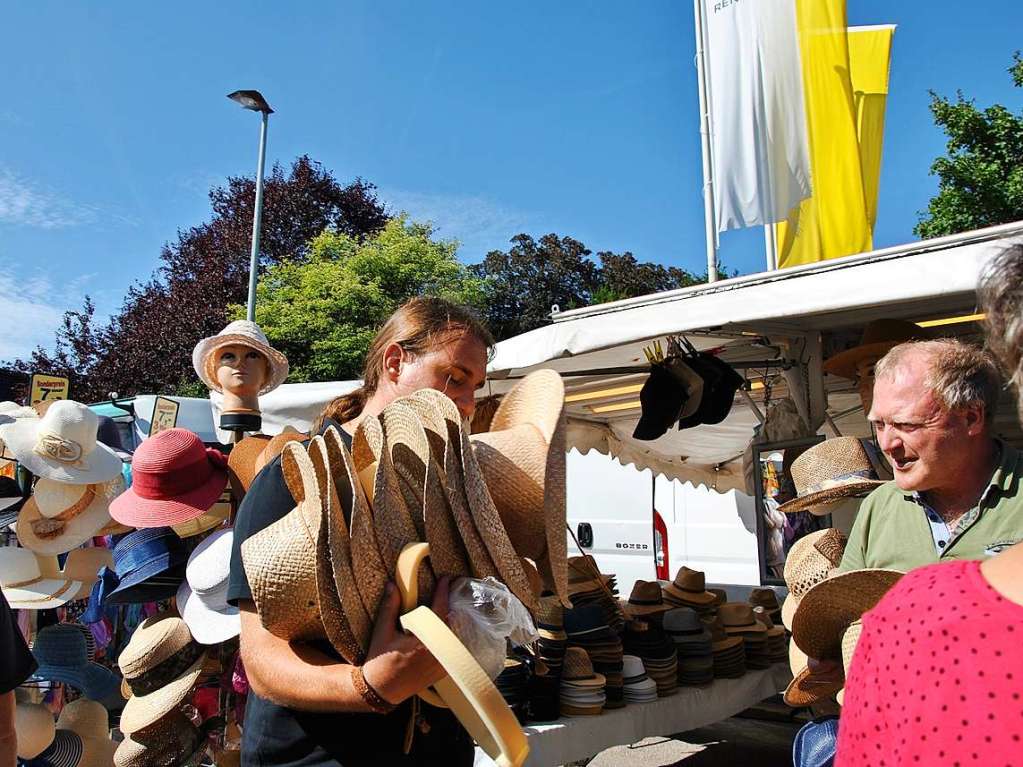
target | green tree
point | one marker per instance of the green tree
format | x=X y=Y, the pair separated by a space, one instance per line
x=323 y=311
x=980 y=178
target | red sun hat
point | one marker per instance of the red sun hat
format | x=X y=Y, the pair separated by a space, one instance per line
x=175 y=479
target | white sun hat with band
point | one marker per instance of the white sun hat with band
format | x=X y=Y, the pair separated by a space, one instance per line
x=202 y=598
x=62 y=445
x=27 y=587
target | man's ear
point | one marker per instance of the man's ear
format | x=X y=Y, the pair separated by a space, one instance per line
x=392 y=362
x=975 y=417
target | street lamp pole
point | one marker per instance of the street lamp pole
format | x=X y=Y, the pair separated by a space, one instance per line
x=254 y=100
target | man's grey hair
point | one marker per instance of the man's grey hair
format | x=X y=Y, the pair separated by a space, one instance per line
x=1001 y=299
x=959 y=376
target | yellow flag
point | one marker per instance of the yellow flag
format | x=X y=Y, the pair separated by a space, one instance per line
x=835 y=221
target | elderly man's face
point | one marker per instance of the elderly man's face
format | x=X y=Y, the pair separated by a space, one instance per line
x=924 y=443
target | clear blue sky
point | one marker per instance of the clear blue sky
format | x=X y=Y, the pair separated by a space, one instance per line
x=487 y=118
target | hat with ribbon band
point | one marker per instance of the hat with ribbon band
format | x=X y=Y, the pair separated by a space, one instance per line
x=27 y=587
x=60 y=516
x=150 y=565
x=830 y=470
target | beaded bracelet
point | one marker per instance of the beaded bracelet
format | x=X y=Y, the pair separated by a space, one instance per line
x=372 y=698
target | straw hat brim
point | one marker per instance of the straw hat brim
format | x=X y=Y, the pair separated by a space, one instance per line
x=844 y=363
x=852 y=490
x=142 y=710
x=131 y=509
x=77 y=530
x=807 y=688
x=828 y=608
x=276 y=361
x=100 y=465
x=692 y=597
x=43 y=595
x=214 y=517
x=209 y=624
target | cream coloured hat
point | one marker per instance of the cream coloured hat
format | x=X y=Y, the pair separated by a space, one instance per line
x=241 y=333
x=59 y=516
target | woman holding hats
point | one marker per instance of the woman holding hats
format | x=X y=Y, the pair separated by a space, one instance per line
x=307 y=706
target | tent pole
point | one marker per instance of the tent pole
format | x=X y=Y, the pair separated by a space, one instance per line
x=708 y=170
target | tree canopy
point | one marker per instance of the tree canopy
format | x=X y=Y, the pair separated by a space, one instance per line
x=980 y=178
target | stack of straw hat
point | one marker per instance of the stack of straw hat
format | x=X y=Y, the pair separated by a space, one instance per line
x=586 y=628
x=171 y=739
x=767 y=599
x=550 y=655
x=729 y=652
x=587 y=585
x=777 y=642
x=582 y=689
x=689 y=589
x=694 y=645
x=739 y=620
x=639 y=688
x=650 y=644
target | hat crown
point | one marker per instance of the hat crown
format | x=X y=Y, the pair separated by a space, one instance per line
x=61 y=645
x=682 y=619
x=577 y=665
x=837 y=460
x=144 y=545
x=550 y=612
x=690 y=580
x=71 y=421
x=17 y=565
x=86 y=717
x=737 y=614
x=53 y=498
x=632 y=666
x=245 y=328
x=811 y=559
x=646 y=593
x=155 y=640
x=170 y=449
x=766 y=598
x=209 y=565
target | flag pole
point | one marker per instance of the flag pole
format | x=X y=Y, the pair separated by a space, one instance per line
x=770 y=247
x=708 y=171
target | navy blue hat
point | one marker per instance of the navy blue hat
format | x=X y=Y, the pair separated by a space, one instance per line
x=585 y=619
x=150 y=565
x=98 y=608
x=815 y=743
x=63 y=656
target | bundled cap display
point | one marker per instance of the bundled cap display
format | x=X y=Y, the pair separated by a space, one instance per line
x=171 y=739
x=639 y=688
x=61 y=516
x=150 y=565
x=62 y=445
x=693 y=643
x=238 y=333
x=175 y=478
x=879 y=337
x=582 y=688
x=810 y=560
x=63 y=656
x=720 y=383
x=739 y=620
x=26 y=587
x=829 y=471
x=202 y=598
x=657 y=651
x=729 y=651
x=332 y=555
x=161 y=664
x=645 y=601
x=672 y=390
x=586 y=627
x=830 y=607
x=689 y=589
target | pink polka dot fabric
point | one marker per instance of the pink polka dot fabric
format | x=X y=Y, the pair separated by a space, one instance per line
x=937 y=677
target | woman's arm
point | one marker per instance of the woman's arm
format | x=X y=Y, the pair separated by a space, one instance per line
x=298 y=676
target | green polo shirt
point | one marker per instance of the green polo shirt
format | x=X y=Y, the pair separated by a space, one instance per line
x=892 y=531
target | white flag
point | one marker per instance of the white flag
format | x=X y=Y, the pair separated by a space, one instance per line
x=759 y=151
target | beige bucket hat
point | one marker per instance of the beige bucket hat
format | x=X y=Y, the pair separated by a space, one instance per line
x=280 y=560
x=830 y=470
x=522 y=458
x=59 y=516
x=811 y=560
x=161 y=664
x=242 y=333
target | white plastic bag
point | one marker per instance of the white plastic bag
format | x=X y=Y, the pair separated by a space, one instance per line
x=485 y=615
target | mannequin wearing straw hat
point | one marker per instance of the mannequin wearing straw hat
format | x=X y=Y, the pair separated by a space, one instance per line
x=307 y=705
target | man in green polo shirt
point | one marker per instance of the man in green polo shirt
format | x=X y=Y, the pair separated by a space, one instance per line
x=956 y=492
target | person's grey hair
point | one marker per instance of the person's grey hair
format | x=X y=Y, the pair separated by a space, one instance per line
x=1001 y=299
x=960 y=375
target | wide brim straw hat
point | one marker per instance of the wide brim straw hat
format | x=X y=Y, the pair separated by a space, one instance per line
x=75 y=513
x=82 y=565
x=162 y=646
x=275 y=445
x=522 y=458
x=217 y=514
x=827 y=609
x=810 y=560
x=830 y=470
x=809 y=687
x=202 y=598
x=241 y=333
x=879 y=337
x=62 y=445
x=26 y=587
x=850 y=639
x=241 y=463
x=33 y=723
x=280 y=560
x=90 y=721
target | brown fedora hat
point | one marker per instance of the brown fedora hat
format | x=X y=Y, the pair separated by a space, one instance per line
x=830 y=607
x=830 y=470
x=241 y=463
x=811 y=560
x=280 y=560
x=690 y=587
x=522 y=458
x=645 y=599
x=739 y=618
x=879 y=337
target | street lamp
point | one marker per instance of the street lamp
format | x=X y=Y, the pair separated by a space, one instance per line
x=254 y=100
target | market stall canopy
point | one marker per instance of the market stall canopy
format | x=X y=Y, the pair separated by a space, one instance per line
x=764 y=325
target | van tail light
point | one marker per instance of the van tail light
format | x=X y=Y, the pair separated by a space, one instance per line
x=661 y=547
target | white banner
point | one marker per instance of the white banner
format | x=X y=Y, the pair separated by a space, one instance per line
x=759 y=151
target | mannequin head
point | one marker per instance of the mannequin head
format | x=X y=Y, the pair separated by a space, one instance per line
x=241 y=372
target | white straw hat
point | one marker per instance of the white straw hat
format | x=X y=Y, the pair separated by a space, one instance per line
x=62 y=445
x=26 y=587
x=202 y=598
x=242 y=333
x=60 y=516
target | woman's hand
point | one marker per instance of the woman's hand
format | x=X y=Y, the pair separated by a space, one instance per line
x=397 y=664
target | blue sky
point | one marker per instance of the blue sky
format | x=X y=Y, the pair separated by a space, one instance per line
x=487 y=118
